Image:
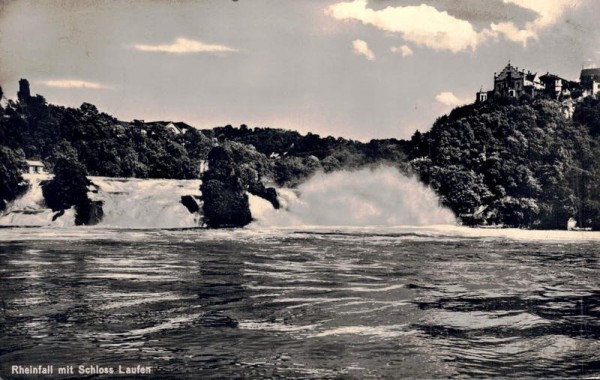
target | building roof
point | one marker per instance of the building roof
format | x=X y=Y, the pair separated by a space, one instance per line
x=509 y=70
x=550 y=76
x=530 y=76
x=34 y=163
x=180 y=125
x=590 y=73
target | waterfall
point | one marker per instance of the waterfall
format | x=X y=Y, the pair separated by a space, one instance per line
x=127 y=203
x=30 y=210
x=146 y=203
x=380 y=197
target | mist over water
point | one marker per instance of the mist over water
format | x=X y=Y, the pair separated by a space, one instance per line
x=367 y=197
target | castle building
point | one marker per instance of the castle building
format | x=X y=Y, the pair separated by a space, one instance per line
x=554 y=85
x=513 y=82
x=590 y=81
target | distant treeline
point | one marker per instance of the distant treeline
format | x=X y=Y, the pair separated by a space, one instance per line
x=288 y=157
x=505 y=161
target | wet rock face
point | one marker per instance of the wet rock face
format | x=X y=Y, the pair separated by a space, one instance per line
x=225 y=204
x=268 y=193
x=224 y=187
x=95 y=213
x=190 y=203
x=224 y=195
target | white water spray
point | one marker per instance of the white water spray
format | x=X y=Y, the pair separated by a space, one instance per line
x=145 y=203
x=380 y=197
x=127 y=203
x=30 y=209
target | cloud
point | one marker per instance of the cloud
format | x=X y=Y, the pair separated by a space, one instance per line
x=423 y=25
x=184 y=45
x=404 y=50
x=512 y=33
x=362 y=48
x=447 y=98
x=73 y=83
x=549 y=13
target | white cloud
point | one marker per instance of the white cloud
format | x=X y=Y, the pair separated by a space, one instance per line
x=511 y=32
x=184 y=45
x=423 y=25
x=447 y=98
x=362 y=48
x=549 y=11
x=548 y=14
x=404 y=50
x=73 y=83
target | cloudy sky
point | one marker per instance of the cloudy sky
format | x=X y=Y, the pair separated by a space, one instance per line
x=360 y=69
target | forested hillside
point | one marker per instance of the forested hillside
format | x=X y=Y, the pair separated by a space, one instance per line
x=516 y=163
x=103 y=144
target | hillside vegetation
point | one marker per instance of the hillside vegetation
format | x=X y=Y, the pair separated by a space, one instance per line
x=515 y=163
x=504 y=162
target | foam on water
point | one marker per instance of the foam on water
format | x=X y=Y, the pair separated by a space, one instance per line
x=380 y=235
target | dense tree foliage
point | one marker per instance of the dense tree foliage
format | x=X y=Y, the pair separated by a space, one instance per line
x=68 y=188
x=12 y=164
x=294 y=157
x=515 y=163
x=588 y=113
x=103 y=144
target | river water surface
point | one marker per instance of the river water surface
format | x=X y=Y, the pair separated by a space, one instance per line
x=312 y=303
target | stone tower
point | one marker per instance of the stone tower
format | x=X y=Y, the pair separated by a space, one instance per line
x=24 y=93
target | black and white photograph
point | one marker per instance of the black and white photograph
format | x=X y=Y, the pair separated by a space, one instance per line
x=299 y=189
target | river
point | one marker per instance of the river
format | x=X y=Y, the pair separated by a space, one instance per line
x=403 y=302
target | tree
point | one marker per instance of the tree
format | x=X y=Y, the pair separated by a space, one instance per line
x=69 y=188
x=522 y=162
x=12 y=164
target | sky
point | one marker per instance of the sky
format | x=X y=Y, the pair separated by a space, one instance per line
x=358 y=69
